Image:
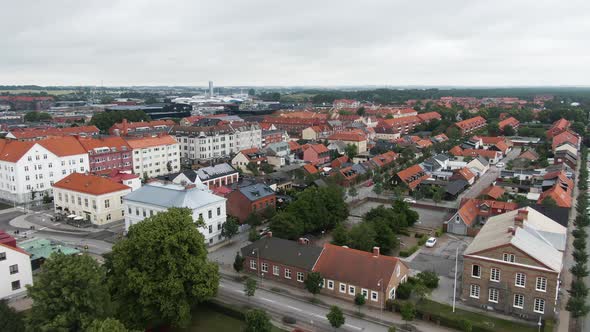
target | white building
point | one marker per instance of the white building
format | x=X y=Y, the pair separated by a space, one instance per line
x=15 y=271
x=218 y=141
x=156 y=197
x=93 y=198
x=27 y=167
x=154 y=156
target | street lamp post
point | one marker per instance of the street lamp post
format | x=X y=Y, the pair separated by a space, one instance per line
x=380 y=284
x=258 y=267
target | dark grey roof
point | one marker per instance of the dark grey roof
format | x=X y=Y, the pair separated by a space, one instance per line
x=256 y=191
x=455 y=187
x=483 y=161
x=441 y=157
x=284 y=252
x=190 y=174
x=359 y=168
x=558 y=214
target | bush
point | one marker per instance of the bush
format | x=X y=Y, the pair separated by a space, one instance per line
x=408 y=252
x=466 y=325
x=404 y=291
x=438 y=232
x=428 y=278
x=423 y=240
x=289 y=320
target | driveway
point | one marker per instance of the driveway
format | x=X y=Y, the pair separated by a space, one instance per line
x=441 y=258
x=428 y=217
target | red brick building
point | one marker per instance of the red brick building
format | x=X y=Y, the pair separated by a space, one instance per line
x=470 y=125
x=316 y=154
x=250 y=199
x=107 y=154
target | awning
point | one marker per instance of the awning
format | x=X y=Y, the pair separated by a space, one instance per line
x=72 y=216
x=79 y=218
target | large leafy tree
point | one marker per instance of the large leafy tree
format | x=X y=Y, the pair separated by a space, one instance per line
x=160 y=271
x=336 y=317
x=286 y=226
x=10 y=320
x=69 y=293
x=257 y=321
x=314 y=282
x=106 y=325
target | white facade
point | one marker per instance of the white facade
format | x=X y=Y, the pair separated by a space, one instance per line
x=247 y=136
x=15 y=271
x=156 y=160
x=36 y=171
x=157 y=197
x=98 y=209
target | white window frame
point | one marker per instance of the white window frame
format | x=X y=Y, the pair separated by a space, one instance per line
x=264 y=267
x=510 y=258
x=331 y=284
x=516 y=278
x=342 y=288
x=472 y=270
x=474 y=291
x=543 y=282
x=514 y=304
x=374 y=296
x=351 y=290
x=276 y=270
x=493 y=295
x=287 y=274
x=492 y=274
x=539 y=303
x=253 y=264
x=300 y=276
x=365 y=293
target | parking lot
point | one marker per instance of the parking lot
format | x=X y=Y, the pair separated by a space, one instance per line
x=441 y=258
x=428 y=217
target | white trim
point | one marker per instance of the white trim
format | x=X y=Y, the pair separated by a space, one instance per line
x=496 y=292
x=276 y=270
x=253 y=265
x=290 y=275
x=374 y=296
x=514 y=301
x=535 y=305
x=516 y=264
x=365 y=292
x=474 y=291
x=331 y=282
x=516 y=279
x=499 y=274
x=537 y=284
x=302 y=276
x=340 y=288
x=353 y=292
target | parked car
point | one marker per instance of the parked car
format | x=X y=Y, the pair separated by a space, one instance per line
x=500 y=165
x=409 y=200
x=264 y=231
x=431 y=242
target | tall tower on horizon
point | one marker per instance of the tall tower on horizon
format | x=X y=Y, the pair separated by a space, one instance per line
x=210 y=88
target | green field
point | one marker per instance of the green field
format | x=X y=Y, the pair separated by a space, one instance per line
x=49 y=92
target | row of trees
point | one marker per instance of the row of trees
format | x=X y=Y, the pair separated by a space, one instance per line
x=37 y=116
x=153 y=278
x=105 y=120
x=379 y=228
x=314 y=210
x=578 y=291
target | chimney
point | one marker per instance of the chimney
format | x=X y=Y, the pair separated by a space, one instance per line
x=375 y=251
x=511 y=230
x=520 y=218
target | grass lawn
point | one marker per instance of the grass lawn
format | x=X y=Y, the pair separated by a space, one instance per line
x=490 y=322
x=210 y=320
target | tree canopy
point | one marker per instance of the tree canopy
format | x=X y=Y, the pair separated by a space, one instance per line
x=105 y=120
x=160 y=271
x=37 y=116
x=69 y=293
x=10 y=320
x=257 y=321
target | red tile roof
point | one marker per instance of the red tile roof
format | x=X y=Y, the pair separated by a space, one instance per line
x=494 y=192
x=429 y=116
x=491 y=140
x=339 y=161
x=28 y=133
x=566 y=136
x=456 y=151
x=318 y=148
x=361 y=269
x=348 y=136
x=89 y=184
x=311 y=169
x=559 y=195
x=465 y=173
x=111 y=142
x=470 y=122
x=293 y=145
x=424 y=143
x=511 y=121
x=385 y=159
x=412 y=171
x=146 y=142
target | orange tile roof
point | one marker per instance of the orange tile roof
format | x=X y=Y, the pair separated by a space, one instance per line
x=12 y=151
x=424 y=143
x=470 y=122
x=511 y=121
x=339 y=161
x=567 y=136
x=348 y=136
x=401 y=121
x=465 y=173
x=384 y=158
x=410 y=171
x=63 y=146
x=559 y=195
x=112 y=141
x=468 y=211
x=293 y=145
x=146 y=142
x=456 y=151
x=319 y=148
x=491 y=140
x=362 y=269
x=311 y=169
x=429 y=116
x=25 y=133
x=502 y=146
x=89 y=184
x=494 y=192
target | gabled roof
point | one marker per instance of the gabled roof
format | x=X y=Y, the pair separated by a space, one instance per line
x=318 y=148
x=256 y=191
x=348 y=136
x=465 y=173
x=456 y=151
x=429 y=116
x=511 y=121
x=172 y=195
x=338 y=162
x=384 y=159
x=470 y=122
x=311 y=169
x=529 y=154
x=116 y=142
x=293 y=145
x=410 y=171
x=567 y=136
x=285 y=252
x=28 y=133
x=359 y=268
x=146 y=142
x=494 y=192
x=89 y=184
x=559 y=195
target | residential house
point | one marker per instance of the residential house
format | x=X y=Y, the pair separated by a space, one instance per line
x=429 y=116
x=511 y=121
x=384 y=132
x=155 y=197
x=36 y=134
x=464 y=174
x=473 y=213
x=564 y=137
x=154 y=156
x=492 y=192
x=29 y=169
x=127 y=178
x=278 y=154
x=439 y=138
x=492 y=156
x=402 y=126
x=253 y=156
x=412 y=176
x=149 y=128
x=246 y=200
x=478 y=165
x=316 y=154
x=530 y=155
x=209 y=177
x=95 y=199
x=354 y=137
x=15 y=269
x=470 y=125
x=558 y=127
x=310 y=169
x=385 y=159
x=315 y=133
x=107 y=154
x=514 y=263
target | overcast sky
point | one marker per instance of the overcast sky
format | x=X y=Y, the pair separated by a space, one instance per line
x=252 y=42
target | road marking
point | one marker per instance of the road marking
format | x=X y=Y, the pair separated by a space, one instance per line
x=42 y=228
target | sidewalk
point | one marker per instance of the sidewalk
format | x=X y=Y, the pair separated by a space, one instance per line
x=385 y=318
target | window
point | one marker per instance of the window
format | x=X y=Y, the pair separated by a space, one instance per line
x=275 y=270
x=493 y=295
x=210 y=214
x=264 y=267
x=365 y=293
x=508 y=258
x=475 y=271
x=518 y=301
x=520 y=280
x=474 y=291
x=374 y=296
x=539 y=306
x=300 y=276
x=107 y=204
x=2 y=256
x=218 y=211
x=541 y=284
x=210 y=229
x=287 y=273
x=252 y=264
x=342 y=288
x=13 y=269
x=330 y=284
x=495 y=274
x=16 y=285
x=351 y=290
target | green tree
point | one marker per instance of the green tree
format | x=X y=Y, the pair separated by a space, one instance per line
x=253 y=235
x=385 y=238
x=314 y=283
x=238 y=262
x=105 y=120
x=230 y=228
x=69 y=293
x=359 y=300
x=360 y=111
x=340 y=236
x=466 y=325
x=408 y=312
x=335 y=317
x=253 y=219
x=257 y=321
x=577 y=306
x=352 y=192
x=438 y=195
x=160 y=271
x=428 y=278
x=319 y=209
x=378 y=188
x=249 y=287
x=286 y=226
x=351 y=151
x=362 y=237
x=509 y=131
x=106 y=325
x=10 y=320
